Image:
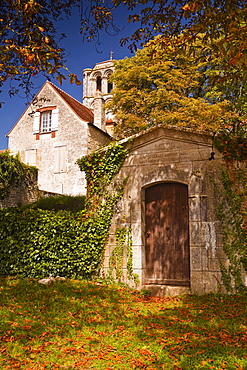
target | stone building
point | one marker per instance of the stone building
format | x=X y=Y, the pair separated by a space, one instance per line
x=53 y=132
x=170 y=204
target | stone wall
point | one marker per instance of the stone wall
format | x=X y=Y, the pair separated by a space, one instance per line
x=173 y=155
x=23 y=193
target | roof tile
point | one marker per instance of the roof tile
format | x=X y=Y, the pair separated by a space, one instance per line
x=81 y=110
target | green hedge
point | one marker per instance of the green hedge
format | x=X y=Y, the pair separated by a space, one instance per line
x=37 y=243
x=59 y=202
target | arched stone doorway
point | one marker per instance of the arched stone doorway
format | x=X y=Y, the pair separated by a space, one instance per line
x=167 y=234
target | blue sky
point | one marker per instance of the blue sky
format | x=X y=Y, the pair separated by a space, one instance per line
x=79 y=56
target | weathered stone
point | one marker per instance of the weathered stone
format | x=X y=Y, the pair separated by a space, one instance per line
x=174 y=155
x=56 y=151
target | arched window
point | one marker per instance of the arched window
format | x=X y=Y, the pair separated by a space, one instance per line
x=98 y=83
x=109 y=86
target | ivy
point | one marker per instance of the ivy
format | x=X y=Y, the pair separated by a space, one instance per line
x=232 y=146
x=102 y=193
x=233 y=218
x=232 y=208
x=117 y=257
x=100 y=168
x=122 y=252
x=37 y=243
x=12 y=171
x=130 y=274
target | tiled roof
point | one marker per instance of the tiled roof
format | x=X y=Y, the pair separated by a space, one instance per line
x=78 y=108
x=81 y=110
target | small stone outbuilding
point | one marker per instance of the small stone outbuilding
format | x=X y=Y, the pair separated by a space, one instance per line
x=170 y=204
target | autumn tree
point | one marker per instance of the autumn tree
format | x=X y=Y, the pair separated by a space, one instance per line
x=223 y=23
x=29 y=43
x=162 y=87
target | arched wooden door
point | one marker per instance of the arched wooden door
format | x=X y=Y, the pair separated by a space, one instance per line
x=167 y=234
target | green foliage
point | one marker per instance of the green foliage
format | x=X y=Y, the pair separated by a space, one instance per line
x=102 y=195
x=157 y=86
x=233 y=216
x=130 y=274
x=117 y=257
x=39 y=243
x=180 y=23
x=101 y=167
x=232 y=208
x=121 y=253
x=36 y=243
x=12 y=171
x=232 y=146
x=60 y=202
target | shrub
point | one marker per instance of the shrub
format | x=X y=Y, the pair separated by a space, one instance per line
x=60 y=202
x=37 y=243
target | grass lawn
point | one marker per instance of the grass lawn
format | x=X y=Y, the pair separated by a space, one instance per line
x=81 y=325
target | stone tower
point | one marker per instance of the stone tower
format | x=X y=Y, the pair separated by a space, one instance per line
x=97 y=92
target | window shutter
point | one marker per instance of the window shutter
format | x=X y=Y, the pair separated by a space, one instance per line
x=30 y=157
x=36 y=121
x=63 y=158
x=54 y=120
x=60 y=164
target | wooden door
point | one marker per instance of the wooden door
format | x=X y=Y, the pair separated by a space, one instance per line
x=167 y=234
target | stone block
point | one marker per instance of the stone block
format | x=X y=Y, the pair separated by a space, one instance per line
x=138 y=257
x=196 y=258
x=195 y=184
x=137 y=233
x=195 y=233
x=166 y=290
x=213 y=264
x=133 y=211
x=212 y=282
x=196 y=282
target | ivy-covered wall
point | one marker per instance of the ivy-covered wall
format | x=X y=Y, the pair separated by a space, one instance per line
x=37 y=243
x=108 y=236
x=232 y=209
x=173 y=155
x=18 y=182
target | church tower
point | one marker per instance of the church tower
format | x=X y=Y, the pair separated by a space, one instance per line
x=97 y=92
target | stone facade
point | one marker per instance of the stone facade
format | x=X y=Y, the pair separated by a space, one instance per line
x=180 y=156
x=97 y=92
x=54 y=143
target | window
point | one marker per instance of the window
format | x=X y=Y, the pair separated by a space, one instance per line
x=46 y=121
x=98 y=83
x=109 y=86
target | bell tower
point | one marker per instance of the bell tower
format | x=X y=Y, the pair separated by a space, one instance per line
x=97 y=92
